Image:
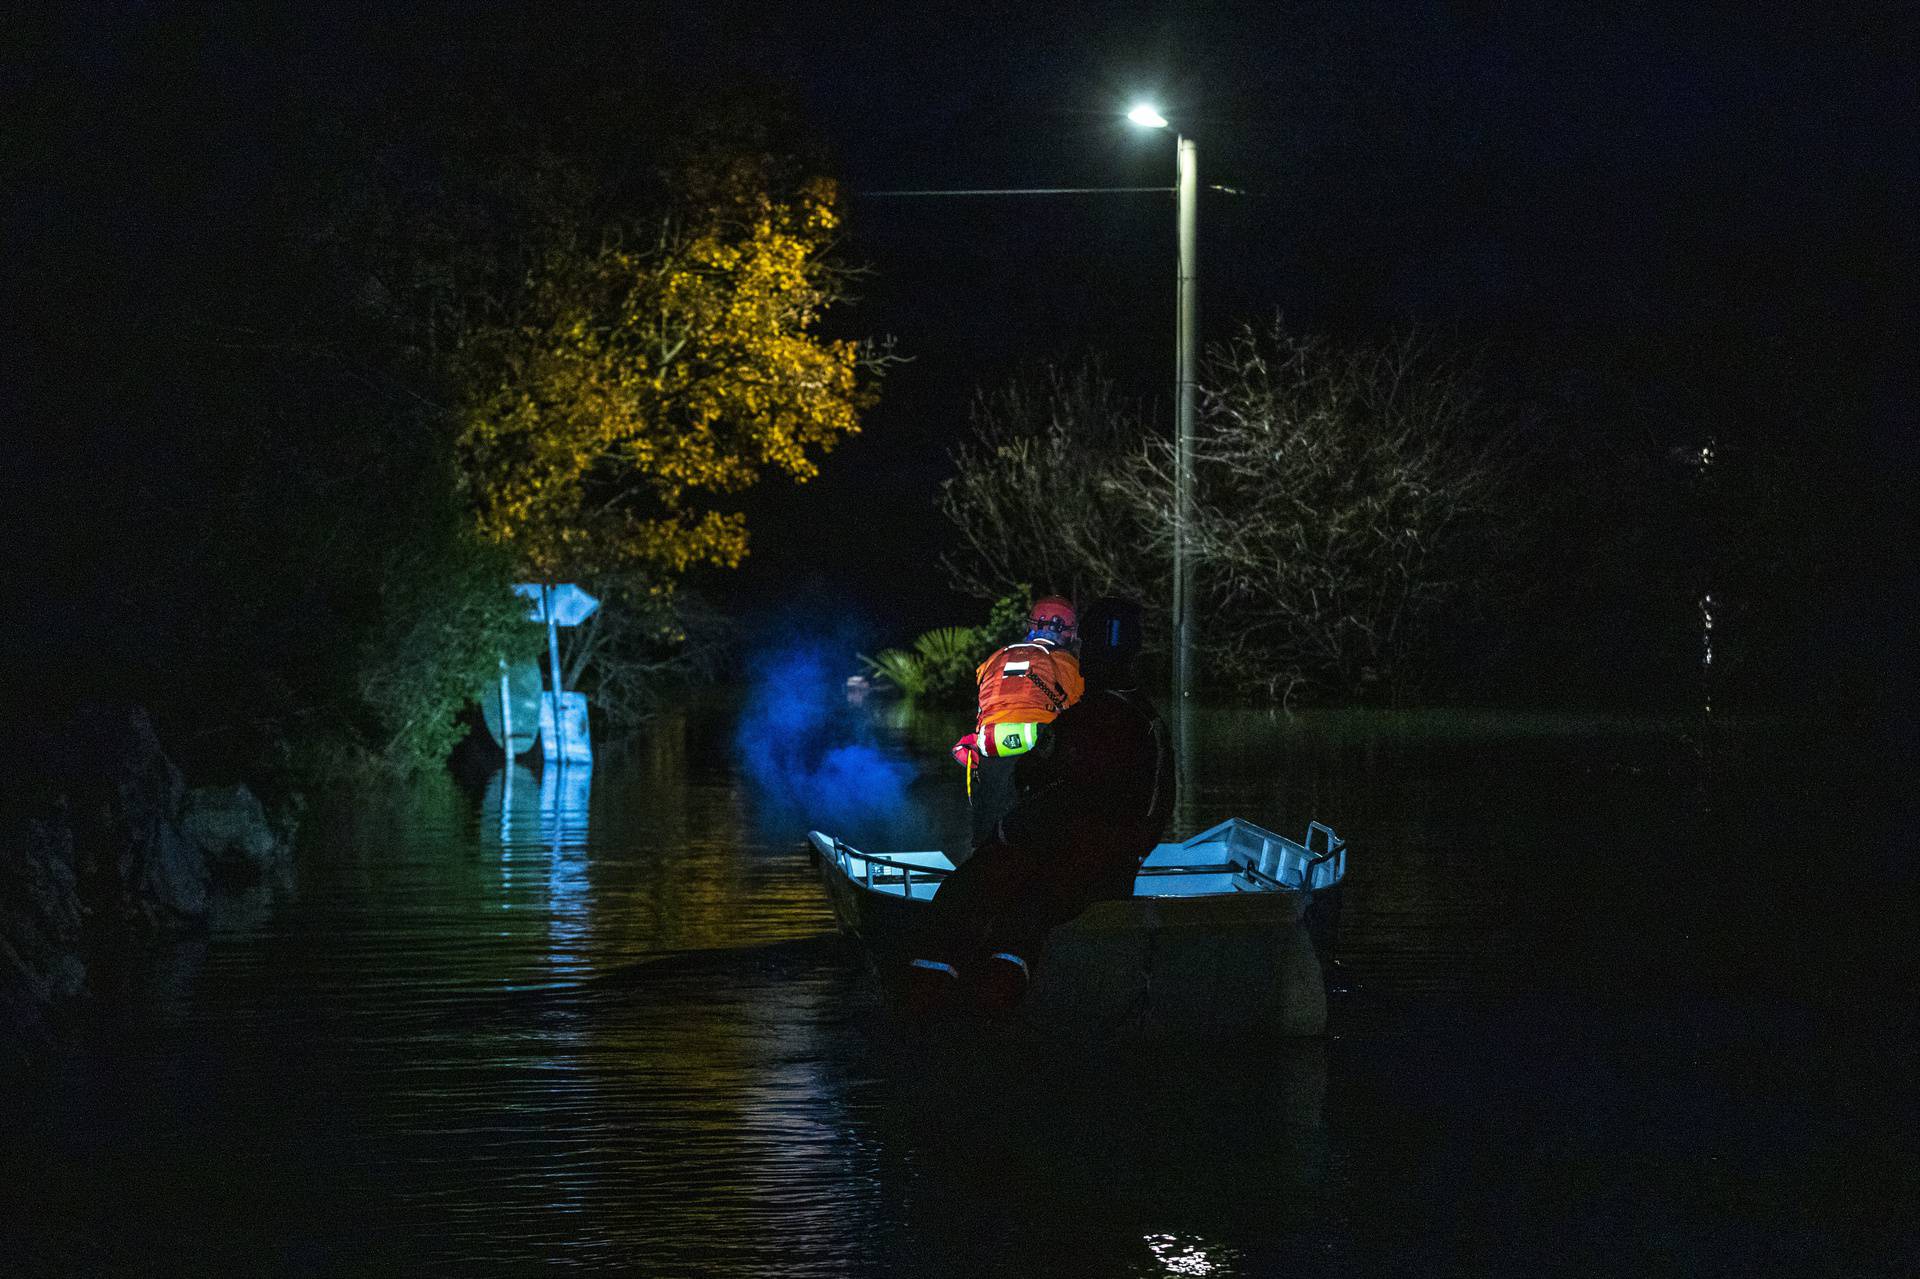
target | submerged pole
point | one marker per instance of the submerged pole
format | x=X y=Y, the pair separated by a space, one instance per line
x=506 y=713
x=553 y=658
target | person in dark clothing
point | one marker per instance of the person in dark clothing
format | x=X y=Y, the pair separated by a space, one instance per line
x=1089 y=810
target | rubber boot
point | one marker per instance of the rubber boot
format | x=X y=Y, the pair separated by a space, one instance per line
x=998 y=983
x=927 y=988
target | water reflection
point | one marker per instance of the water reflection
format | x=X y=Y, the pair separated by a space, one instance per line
x=602 y=1019
x=1187 y=1255
x=1021 y=1157
x=540 y=826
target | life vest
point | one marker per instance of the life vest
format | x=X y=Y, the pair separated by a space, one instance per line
x=1030 y=682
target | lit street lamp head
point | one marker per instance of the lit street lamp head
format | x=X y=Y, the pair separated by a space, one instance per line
x=1146 y=116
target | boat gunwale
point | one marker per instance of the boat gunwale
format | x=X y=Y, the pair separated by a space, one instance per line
x=837 y=851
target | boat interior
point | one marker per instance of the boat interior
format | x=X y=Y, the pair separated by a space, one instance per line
x=1234 y=857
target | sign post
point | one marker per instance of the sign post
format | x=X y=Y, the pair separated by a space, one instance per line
x=506 y=713
x=560 y=605
x=559 y=742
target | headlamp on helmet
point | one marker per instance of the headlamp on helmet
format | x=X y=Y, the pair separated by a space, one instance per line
x=1052 y=617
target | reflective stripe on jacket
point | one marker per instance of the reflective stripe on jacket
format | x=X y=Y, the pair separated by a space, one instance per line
x=1009 y=737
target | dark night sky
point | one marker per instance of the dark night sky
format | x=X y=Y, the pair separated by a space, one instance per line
x=1542 y=176
x=1533 y=174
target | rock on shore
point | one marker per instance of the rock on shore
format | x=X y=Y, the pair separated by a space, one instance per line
x=231 y=829
x=103 y=848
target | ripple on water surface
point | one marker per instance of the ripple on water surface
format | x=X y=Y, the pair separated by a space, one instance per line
x=611 y=1025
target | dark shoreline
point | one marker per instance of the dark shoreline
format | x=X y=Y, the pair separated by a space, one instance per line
x=106 y=851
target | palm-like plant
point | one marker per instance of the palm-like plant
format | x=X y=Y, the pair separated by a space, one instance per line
x=948 y=645
x=948 y=656
x=902 y=669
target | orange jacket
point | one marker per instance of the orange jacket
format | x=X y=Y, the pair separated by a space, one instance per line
x=1029 y=682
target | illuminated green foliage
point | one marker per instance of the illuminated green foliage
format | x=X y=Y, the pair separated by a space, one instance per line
x=447 y=617
x=949 y=655
x=942 y=662
x=899 y=668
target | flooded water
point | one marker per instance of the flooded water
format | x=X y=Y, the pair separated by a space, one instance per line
x=1609 y=1000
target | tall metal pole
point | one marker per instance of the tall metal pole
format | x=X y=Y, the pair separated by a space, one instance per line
x=1186 y=357
x=1186 y=330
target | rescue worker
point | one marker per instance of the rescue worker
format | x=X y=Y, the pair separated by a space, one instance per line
x=1089 y=810
x=1021 y=687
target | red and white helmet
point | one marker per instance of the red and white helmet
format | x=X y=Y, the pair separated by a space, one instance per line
x=1053 y=616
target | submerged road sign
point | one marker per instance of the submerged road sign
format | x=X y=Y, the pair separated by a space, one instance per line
x=571 y=605
x=563 y=736
x=568 y=743
x=518 y=709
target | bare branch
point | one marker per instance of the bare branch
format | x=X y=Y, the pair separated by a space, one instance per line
x=1345 y=498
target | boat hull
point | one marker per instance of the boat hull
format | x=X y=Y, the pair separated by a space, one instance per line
x=1218 y=964
x=886 y=923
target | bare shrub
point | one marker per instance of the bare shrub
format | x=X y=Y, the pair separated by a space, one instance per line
x=642 y=647
x=1033 y=494
x=1347 y=498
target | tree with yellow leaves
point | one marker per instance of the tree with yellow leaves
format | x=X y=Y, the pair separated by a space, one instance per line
x=643 y=384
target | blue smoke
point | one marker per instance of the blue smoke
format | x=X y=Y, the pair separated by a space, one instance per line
x=807 y=752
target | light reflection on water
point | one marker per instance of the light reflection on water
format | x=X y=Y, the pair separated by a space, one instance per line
x=603 y=1020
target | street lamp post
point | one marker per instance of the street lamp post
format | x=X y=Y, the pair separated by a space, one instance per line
x=1186 y=341
x=1185 y=359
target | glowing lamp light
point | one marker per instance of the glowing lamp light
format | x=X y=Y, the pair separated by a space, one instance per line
x=1147 y=117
